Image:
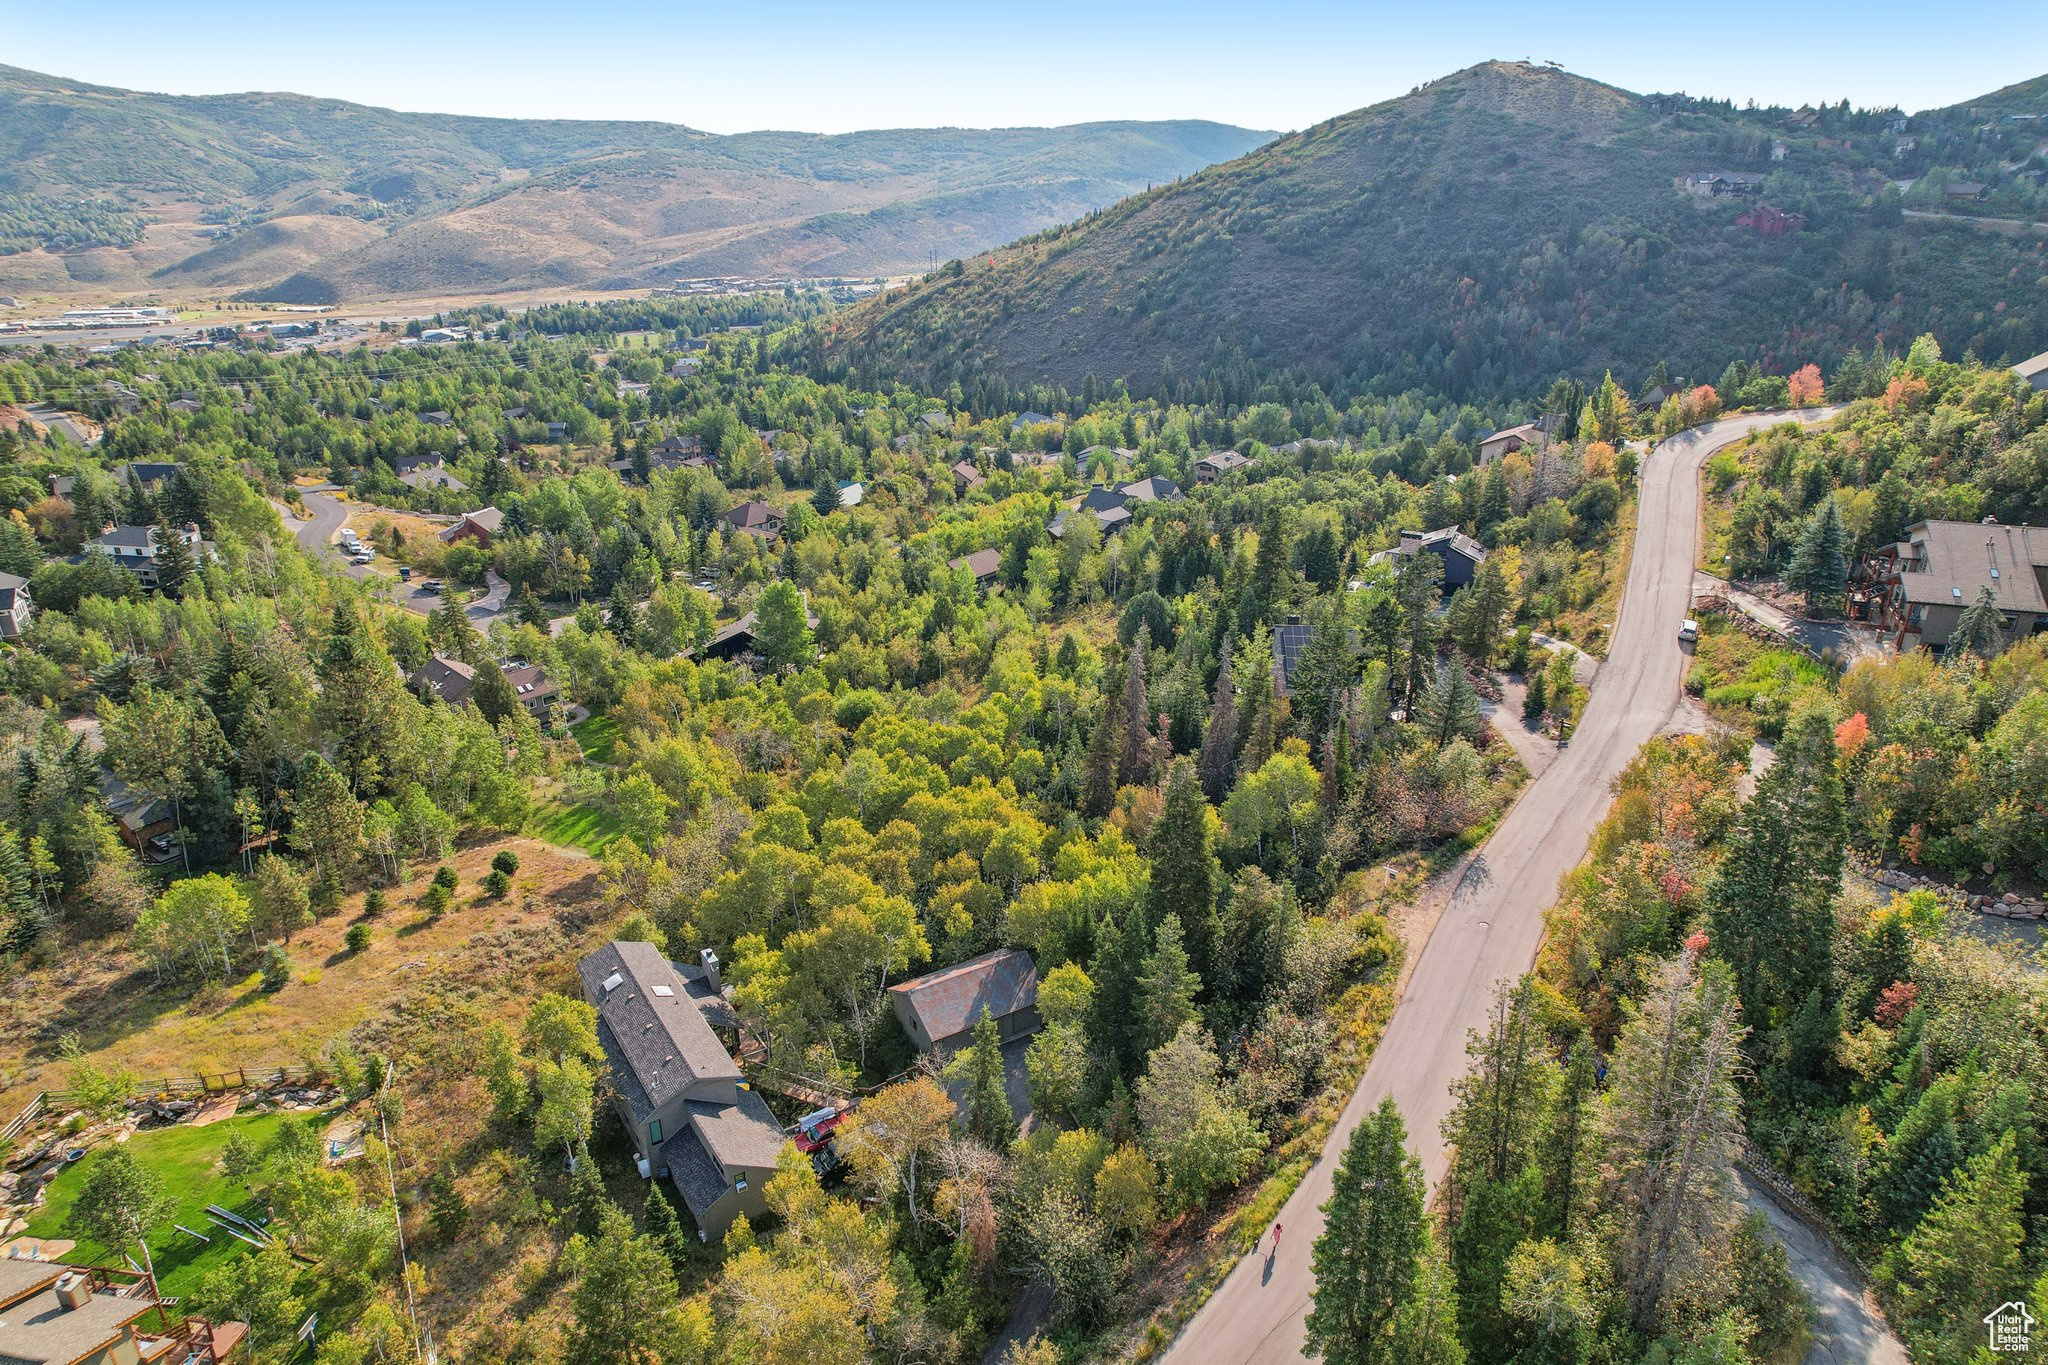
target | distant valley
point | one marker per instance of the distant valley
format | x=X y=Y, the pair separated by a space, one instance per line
x=284 y=198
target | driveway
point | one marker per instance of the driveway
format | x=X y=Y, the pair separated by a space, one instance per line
x=1490 y=931
x=1847 y=1328
x=328 y=514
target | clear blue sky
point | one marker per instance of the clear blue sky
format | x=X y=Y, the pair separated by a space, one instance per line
x=833 y=67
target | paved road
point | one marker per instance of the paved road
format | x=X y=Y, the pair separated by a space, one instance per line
x=316 y=537
x=1490 y=930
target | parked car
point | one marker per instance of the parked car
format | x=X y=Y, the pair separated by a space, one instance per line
x=365 y=557
x=1688 y=631
x=405 y=572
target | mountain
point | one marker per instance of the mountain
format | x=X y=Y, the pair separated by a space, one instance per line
x=1484 y=234
x=294 y=199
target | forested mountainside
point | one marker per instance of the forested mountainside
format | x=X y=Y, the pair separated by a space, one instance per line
x=1501 y=226
x=317 y=200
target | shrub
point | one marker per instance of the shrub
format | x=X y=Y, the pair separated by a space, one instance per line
x=277 y=969
x=373 y=902
x=435 y=898
x=497 y=883
x=506 y=861
x=358 y=937
x=444 y=877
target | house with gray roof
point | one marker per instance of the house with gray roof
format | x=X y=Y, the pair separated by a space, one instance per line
x=1218 y=463
x=939 y=1009
x=2034 y=369
x=692 y=1115
x=1918 y=588
x=16 y=610
x=1461 y=554
x=57 y=1314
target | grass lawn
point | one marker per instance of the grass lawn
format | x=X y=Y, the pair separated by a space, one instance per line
x=589 y=827
x=186 y=1159
x=597 y=735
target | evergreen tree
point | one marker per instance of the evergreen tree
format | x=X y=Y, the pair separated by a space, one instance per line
x=1772 y=902
x=622 y=615
x=1426 y=1328
x=824 y=494
x=1417 y=590
x=1327 y=667
x=175 y=565
x=1113 y=1026
x=985 y=1108
x=1449 y=709
x=1269 y=565
x=1370 y=1251
x=21 y=914
x=1184 y=865
x=1980 y=628
x=625 y=1299
x=1137 y=718
x=1820 y=561
x=1965 y=1256
x=491 y=693
x=1099 y=782
x=1219 y=735
x=1167 y=986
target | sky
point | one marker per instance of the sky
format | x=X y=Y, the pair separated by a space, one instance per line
x=836 y=67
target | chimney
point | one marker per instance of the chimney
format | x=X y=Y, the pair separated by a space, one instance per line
x=73 y=1291
x=1407 y=536
x=709 y=961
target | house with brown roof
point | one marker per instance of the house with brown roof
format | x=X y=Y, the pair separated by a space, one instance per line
x=939 y=1009
x=1918 y=588
x=57 y=1314
x=692 y=1116
x=1508 y=440
x=478 y=526
x=756 y=518
x=967 y=477
x=532 y=686
x=450 y=679
x=985 y=565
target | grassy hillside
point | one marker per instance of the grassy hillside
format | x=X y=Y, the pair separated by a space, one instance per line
x=1479 y=235
x=247 y=192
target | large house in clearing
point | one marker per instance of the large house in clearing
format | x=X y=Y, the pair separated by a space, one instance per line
x=57 y=1314
x=1916 y=589
x=692 y=1116
x=940 y=1009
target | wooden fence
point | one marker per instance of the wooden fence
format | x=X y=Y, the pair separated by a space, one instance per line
x=28 y=1115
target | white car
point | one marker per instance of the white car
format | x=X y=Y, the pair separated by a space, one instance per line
x=1688 y=631
x=365 y=557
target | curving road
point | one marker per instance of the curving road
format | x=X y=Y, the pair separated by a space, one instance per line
x=316 y=537
x=1491 y=928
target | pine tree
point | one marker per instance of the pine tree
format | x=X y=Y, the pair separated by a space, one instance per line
x=1450 y=708
x=1820 y=561
x=1370 y=1251
x=1167 y=986
x=1981 y=627
x=1137 y=717
x=491 y=692
x=1426 y=1328
x=622 y=615
x=1417 y=589
x=1965 y=1256
x=1113 y=1026
x=1219 y=735
x=1772 y=903
x=1184 y=865
x=1098 y=787
x=174 y=563
x=985 y=1108
x=21 y=914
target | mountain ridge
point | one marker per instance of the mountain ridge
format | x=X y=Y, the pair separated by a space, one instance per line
x=1488 y=230
x=466 y=203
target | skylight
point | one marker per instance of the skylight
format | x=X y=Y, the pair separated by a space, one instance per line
x=613 y=982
